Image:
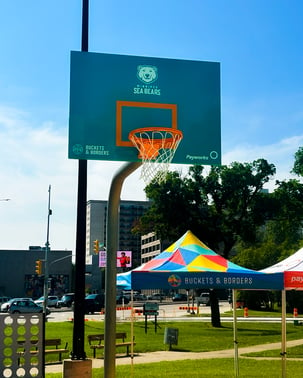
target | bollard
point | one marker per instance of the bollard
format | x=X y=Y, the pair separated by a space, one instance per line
x=296 y=322
x=245 y=312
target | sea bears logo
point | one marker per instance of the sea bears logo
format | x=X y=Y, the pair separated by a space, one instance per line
x=147 y=74
x=174 y=280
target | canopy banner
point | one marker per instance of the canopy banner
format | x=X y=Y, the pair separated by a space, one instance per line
x=293 y=280
x=209 y=280
x=292 y=267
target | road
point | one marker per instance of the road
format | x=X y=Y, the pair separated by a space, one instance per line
x=168 y=311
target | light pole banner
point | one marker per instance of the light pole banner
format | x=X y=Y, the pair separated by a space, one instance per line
x=124 y=259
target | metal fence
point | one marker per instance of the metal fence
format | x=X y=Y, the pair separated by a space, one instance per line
x=21 y=345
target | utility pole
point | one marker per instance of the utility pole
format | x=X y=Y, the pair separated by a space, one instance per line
x=45 y=292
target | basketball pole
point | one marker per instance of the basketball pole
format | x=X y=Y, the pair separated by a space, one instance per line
x=112 y=234
x=78 y=352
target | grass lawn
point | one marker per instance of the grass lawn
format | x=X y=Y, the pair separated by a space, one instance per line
x=254 y=313
x=193 y=337
x=292 y=352
x=223 y=368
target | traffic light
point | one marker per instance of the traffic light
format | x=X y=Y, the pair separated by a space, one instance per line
x=38 y=269
x=96 y=246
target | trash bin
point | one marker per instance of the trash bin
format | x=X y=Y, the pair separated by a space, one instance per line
x=171 y=336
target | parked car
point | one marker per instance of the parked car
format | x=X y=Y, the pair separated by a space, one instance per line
x=179 y=298
x=5 y=306
x=52 y=301
x=66 y=300
x=21 y=306
x=122 y=299
x=155 y=297
x=203 y=299
x=94 y=303
x=139 y=297
x=4 y=299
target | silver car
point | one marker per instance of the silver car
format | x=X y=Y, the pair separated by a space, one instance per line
x=52 y=301
x=21 y=306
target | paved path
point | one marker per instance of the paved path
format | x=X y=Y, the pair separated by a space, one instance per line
x=159 y=356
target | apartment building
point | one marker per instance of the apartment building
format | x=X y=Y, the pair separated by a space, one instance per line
x=129 y=214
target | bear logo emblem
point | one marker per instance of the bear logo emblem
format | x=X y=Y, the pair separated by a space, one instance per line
x=147 y=74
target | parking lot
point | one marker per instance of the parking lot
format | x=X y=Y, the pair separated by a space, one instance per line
x=167 y=310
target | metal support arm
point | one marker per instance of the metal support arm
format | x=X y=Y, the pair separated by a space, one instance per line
x=111 y=266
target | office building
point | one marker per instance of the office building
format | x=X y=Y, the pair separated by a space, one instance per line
x=18 y=276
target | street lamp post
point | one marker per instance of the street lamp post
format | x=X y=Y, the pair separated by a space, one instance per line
x=45 y=292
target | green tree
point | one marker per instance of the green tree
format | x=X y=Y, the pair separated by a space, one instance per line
x=288 y=216
x=219 y=207
x=282 y=230
x=298 y=165
x=279 y=238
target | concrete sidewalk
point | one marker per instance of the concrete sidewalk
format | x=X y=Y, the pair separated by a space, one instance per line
x=144 y=358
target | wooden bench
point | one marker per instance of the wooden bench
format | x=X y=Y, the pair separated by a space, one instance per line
x=95 y=342
x=51 y=346
x=55 y=345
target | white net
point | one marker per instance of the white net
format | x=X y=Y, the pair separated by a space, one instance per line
x=157 y=147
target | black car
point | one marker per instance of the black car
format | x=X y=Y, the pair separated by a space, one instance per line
x=180 y=298
x=94 y=303
x=122 y=299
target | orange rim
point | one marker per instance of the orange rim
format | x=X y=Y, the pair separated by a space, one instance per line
x=149 y=146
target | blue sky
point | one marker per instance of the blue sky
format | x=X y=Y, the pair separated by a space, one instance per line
x=258 y=44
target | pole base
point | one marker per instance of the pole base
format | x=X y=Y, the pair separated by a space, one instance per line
x=77 y=368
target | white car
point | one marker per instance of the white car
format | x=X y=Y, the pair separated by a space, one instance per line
x=4 y=299
x=52 y=301
x=5 y=306
x=203 y=299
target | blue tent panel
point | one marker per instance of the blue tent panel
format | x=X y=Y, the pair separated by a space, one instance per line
x=124 y=281
x=208 y=280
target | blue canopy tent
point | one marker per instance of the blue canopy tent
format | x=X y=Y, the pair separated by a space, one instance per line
x=190 y=264
x=124 y=281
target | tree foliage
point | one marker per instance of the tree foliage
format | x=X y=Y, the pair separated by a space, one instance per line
x=219 y=207
x=229 y=211
x=298 y=165
x=289 y=211
x=280 y=236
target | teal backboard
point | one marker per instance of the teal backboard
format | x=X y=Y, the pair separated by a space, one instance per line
x=110 y=95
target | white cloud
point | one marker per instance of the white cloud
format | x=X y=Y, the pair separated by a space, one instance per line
x=281 y=154
x=32 y=157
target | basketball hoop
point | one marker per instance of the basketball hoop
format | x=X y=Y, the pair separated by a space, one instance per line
x=157 y=147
